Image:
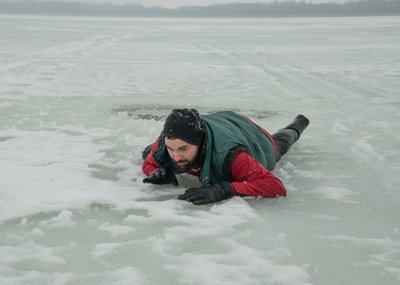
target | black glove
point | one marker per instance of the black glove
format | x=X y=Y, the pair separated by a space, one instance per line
x=161 y=176
x=208 y=194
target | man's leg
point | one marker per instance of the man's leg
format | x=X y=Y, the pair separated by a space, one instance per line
x=286 y=137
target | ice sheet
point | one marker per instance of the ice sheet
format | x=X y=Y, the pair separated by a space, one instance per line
x=81 y=97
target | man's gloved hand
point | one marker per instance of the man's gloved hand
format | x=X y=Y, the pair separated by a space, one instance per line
x=208 y=194
x=161 y=176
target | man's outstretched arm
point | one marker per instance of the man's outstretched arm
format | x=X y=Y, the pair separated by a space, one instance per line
x=150 y=164
x=155 y=173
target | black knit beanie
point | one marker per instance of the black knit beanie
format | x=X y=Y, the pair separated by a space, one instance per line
x=184 y=124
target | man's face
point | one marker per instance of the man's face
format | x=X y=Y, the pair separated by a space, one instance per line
x=183 y=154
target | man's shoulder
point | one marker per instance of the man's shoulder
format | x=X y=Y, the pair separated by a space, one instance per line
x=221 y=114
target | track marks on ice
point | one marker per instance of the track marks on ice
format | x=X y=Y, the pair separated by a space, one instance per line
x=288 y=77
x=44 y=72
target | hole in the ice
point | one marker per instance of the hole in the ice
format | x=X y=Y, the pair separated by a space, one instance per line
x=158 y=113
x=3 y=139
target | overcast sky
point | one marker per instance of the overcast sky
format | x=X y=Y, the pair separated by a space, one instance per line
x=177 y=3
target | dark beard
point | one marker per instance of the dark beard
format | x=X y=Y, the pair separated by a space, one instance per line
x=178 y=169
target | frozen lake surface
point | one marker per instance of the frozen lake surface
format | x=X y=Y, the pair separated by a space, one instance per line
x=81 y=97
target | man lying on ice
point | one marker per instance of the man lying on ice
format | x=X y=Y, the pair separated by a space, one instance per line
x=229 y=153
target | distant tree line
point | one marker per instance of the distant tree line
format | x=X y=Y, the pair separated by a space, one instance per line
x=274 y=9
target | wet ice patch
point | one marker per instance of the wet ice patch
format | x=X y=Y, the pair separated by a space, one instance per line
x=103 y=249
x=394 y=271
x=384 y=242
x=327 y=217
x=17 y=277
x=115 y=230
x=339 y=128
x=337 y=193
x=379 y=252
x=366 y=152
x=124 y=276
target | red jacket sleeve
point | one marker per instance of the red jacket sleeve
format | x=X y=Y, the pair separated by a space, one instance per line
x=150 y=164
x=253 y=179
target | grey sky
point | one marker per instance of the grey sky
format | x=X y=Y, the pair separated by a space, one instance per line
x=177 y=3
